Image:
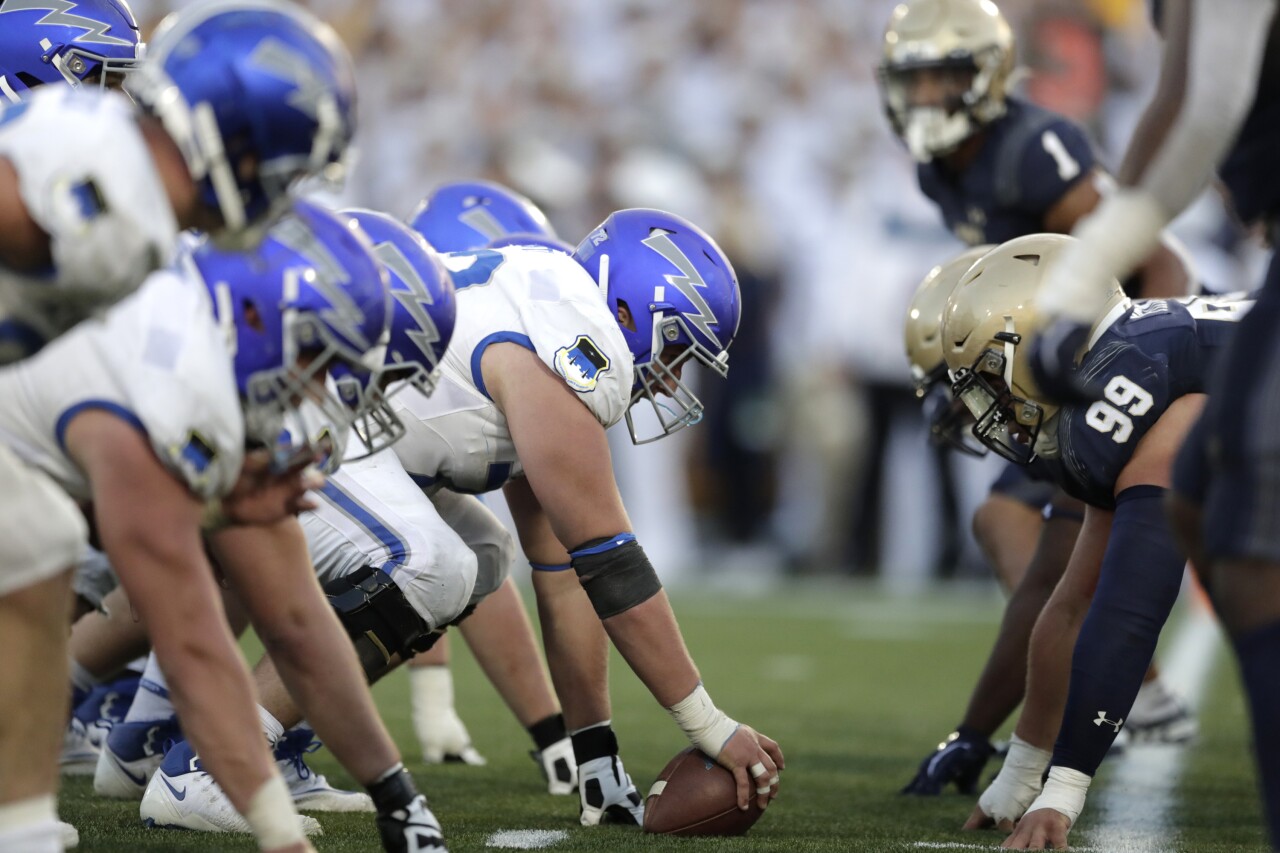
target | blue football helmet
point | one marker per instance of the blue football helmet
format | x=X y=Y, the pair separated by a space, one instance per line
x=310 y=297
x=679 y=291
x=423 y=310
x=466 y=215
x=522 y=238
x=64 y=41
x=256 y=94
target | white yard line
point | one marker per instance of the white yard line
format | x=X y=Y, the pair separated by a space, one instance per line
x=994 y=845
x=526 y=839
x=1136 y=805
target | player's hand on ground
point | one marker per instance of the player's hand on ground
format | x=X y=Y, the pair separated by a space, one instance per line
x=756 y=761
x=445 y=740
x=978 y=819
x=411 y=829
x=266 y=495
x=959 y=759
x=1042 y=829
x=606 y=793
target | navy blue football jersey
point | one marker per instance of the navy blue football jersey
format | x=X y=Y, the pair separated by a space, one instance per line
x=1157 y=351
x=1249 y=171
x=1029 y=158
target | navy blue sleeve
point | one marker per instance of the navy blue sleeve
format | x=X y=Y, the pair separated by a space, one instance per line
x=1097 y=441
x=1055 y=156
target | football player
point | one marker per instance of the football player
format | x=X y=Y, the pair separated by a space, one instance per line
x=1206 y=115
x=91 y=198
x=454 y=217
x=542 y=359
x=996 y=166
x=1028 y=549
x=1153 y=358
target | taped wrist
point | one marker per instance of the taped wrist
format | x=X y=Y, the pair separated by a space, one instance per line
x=1064 y=792
x=272 y=817
x=615 y=573
x=1017 y=783
x=707 y=727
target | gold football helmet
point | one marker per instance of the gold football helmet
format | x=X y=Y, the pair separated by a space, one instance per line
x=987 y=328
x=945 y=72
x=949 y=420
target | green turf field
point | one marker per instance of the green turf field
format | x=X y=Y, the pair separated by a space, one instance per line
x=854 y=684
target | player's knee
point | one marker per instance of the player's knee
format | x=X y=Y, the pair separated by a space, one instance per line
x=493 y=563
x=379 y=618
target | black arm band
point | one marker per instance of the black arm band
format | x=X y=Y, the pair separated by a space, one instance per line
x=615 y=573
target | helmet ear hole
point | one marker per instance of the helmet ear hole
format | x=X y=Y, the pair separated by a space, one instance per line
x=625 y=319
x=252 y=317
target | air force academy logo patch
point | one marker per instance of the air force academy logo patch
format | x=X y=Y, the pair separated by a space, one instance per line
x=581 y=364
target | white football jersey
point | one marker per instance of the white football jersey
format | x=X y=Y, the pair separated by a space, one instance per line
x=86 y=177
x=542 y=300
x=159 y=360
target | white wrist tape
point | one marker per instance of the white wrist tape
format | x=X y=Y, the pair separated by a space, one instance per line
x=272 y=817
x=707 y=727
x=1064 y=792
x=1017 y=783
x=1112 y=242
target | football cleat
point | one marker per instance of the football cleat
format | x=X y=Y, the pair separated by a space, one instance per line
x=91 y=721
x=959 y=759
x=310 y=790
x=79 y=752
x=606 y=793
x=181 y=795
x=130 y=756
x=69 y=834
x=412 y=829
x=559 y=767
x=1159 y=715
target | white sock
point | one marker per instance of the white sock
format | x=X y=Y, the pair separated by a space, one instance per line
x=152 y=700
x=271 y=727
x=31 y=826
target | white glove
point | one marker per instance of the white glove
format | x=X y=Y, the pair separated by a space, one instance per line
x=558 y=766
x=607 y=794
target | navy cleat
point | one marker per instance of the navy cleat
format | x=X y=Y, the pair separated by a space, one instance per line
x=130 y=755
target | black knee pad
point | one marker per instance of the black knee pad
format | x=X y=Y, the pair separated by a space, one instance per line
x=379 y=619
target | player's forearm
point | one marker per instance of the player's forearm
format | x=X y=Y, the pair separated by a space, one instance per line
x=208 y=681
x=308 y=645
x=1201 y=101
x=649 y=640
x=1140 y=579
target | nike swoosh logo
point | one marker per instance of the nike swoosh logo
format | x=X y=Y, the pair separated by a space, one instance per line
x=180 y=795
x=139 y=779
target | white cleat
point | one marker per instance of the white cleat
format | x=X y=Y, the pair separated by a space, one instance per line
x=69 y=834
x=558 y=767
x=606 y=793
x=130 y=756
x=445 y=740
x=181 y=795
x=310 y=790
x=79 y=752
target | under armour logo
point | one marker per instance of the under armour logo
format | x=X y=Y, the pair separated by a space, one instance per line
x=1102 y=718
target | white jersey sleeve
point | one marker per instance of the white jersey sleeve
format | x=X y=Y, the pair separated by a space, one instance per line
x=533 y=297
x=159 y=361
x=88 y=180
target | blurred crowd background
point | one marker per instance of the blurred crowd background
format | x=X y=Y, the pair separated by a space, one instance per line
x=760 y=121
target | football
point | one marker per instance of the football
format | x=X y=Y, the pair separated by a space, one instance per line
x=696 y=796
